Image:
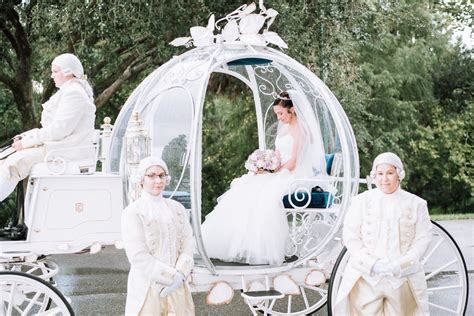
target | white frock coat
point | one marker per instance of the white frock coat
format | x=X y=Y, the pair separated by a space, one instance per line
x=158 y=242
x=364 y=231
x=67 y=122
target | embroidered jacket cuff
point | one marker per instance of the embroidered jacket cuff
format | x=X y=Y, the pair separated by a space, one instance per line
x=185 y=263
x=409 y=264
x=163 y=274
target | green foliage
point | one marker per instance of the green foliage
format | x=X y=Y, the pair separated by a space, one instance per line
x=229 y=137
x=443 y=151
x=9 y=122
x=403 y=85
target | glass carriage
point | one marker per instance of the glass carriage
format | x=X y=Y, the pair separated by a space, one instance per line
x=164 y=117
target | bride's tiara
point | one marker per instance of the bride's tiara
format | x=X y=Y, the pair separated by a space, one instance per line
x=282 y=98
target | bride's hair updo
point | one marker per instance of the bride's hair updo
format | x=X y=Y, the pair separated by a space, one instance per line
x=283 y=100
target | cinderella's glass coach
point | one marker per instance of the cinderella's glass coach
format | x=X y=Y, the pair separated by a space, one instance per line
x=69 y=205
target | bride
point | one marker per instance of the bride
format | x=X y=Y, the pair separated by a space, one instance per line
x=248 y=224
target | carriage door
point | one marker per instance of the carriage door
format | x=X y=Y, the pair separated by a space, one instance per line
x=171 y=115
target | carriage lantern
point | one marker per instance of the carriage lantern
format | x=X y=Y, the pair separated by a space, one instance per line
x=137 y=141
x=137 y=146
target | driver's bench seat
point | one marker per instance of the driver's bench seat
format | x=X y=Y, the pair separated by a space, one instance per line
x=59 y=162
x=60 y=166
x=69 y=206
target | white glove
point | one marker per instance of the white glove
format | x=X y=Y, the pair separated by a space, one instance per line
x=178 y=280
x=382 y=267
x=395 y=268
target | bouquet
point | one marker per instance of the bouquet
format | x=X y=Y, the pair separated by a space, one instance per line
x=262 y=160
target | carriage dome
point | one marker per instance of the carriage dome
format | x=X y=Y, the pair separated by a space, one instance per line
x=170 y=104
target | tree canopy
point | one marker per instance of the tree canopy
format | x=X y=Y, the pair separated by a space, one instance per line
x=405 y=85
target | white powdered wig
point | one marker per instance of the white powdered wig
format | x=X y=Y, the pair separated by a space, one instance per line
x=70 y=64
x=150 y=162
x=389 y=159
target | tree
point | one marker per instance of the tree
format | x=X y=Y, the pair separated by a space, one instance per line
x=403 y=85
x=229 y=136
x=116 y=41
x=173 y=154
x=16 y=63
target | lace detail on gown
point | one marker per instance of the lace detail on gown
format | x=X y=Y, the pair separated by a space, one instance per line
x=284 y=144
x=248 y=224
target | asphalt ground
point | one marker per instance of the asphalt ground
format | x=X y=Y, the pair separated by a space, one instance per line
x=96 y=284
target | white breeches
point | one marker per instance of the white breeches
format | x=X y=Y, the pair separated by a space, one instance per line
x=381 y=299
x=16 y=167
x=7 y=186
x=177 y=303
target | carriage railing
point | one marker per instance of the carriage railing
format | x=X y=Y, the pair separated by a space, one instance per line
x=308 y=226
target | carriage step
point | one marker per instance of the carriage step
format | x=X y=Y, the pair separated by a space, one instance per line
x=262 y=295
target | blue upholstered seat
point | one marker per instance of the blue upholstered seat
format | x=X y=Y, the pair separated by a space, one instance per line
x=317 y=199
x=329 y=161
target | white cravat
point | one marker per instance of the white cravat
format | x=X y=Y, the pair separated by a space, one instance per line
x=156 y=208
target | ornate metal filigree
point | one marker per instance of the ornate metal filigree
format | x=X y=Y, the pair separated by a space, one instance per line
x=242 y=26
x=188 y=68
x=309 y=226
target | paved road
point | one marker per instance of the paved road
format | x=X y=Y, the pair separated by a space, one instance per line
x=96 y=284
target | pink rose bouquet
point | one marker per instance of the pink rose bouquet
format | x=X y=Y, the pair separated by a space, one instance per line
x=262 y=160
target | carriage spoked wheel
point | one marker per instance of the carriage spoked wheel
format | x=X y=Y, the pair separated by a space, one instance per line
x=308 y=301
x=25 y=294
x=44 y=269
x=445 y=270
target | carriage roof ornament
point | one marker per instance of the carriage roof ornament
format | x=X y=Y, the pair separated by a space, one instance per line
x=242 y=26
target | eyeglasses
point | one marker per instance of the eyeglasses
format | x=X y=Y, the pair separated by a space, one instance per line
x=154 y=176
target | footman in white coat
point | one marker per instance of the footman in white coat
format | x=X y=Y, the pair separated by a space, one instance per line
x=67 y=122
x=386 y=231
x=159 y=244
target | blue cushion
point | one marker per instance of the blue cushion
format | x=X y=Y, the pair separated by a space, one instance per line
x=249 y=61
x=329 y=160
x=299 y=199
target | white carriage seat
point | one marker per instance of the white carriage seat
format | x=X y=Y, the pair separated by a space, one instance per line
x=60 y=162
x=310 y=215
x=300 y=188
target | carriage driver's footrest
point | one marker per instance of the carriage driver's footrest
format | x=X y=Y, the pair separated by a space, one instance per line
x=17 y=232
x=262 y=295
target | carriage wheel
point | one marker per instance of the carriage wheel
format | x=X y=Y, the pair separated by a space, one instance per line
x=310 y=300
x=44 y=269
x=445 y=270
x=24 y=294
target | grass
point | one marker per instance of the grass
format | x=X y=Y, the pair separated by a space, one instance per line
x=450 y=217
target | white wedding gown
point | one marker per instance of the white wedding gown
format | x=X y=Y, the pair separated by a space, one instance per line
x=249 y=224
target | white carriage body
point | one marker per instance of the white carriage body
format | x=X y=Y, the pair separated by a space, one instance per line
x=67 y=213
